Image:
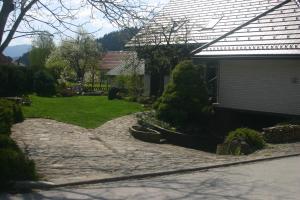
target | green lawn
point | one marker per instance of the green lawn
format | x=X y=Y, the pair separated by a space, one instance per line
x=85 y=111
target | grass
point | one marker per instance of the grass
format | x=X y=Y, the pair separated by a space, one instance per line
x=84 y=111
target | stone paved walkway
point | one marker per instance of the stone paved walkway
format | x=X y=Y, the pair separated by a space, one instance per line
x=66 y=153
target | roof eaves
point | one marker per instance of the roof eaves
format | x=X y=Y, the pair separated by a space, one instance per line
x=239 y=27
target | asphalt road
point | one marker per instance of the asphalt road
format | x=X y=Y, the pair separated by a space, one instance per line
x=277 y=179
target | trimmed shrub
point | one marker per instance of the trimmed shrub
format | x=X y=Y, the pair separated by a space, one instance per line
x=15 y=80
x=185 y=100
x=7 y=142
x=6 y=116
x=15 y=167
x=44 y=84
x=244 y=141
x=10 y=113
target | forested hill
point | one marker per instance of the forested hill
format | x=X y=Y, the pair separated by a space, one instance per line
x=115 y=41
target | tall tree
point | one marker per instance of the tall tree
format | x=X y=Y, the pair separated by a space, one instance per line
x=42 y=46
x=18 y=17
x=82 y=53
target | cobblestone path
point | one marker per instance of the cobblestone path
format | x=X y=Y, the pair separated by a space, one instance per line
x=65 y=152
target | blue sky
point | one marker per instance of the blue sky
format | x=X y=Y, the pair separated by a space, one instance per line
x=97 y=23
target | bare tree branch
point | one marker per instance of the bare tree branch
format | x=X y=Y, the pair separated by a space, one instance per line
x=61 y=16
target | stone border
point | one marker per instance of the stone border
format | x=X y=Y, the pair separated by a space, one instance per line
x=28 y=185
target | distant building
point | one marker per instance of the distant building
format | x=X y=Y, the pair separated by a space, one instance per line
x=116 y=63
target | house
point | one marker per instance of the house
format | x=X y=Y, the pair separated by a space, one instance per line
x=127 y=64
x=110 y=60
x=251 y=49
x=116 y=63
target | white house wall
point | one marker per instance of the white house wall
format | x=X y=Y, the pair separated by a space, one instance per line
x=260 y=85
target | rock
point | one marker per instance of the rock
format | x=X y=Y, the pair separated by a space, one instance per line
x=282 y=134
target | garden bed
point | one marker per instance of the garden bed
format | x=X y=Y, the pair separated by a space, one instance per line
x=195 y=141
x=146 y=134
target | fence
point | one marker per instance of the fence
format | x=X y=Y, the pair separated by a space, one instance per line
x=95 y=88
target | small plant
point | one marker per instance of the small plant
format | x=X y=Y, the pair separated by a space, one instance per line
x=113 y=93
x=148 y=118
x=17 y=113
x=64 y=91
x=244 y=141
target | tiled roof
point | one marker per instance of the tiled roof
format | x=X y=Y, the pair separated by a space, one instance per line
x=277 y=33
x=112 y=59
x=123 y=70
x=128 y=64
x=194 y=15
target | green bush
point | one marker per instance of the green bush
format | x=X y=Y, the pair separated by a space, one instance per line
x=15 y=167
x=185 y=100
x=15 y=80
x=6 y=116
x=7 y=143
x=10 y=113
x=44 y=84
x=17 y=113
x=244 y=141
x=64 y=91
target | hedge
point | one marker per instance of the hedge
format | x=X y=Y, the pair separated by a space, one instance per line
x=15 y=80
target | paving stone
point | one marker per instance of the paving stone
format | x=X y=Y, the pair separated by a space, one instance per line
x=64 y=152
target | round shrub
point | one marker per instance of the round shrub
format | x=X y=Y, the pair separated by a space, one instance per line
x=44 y=84
x=244 y=141
x=113 y=93
x=185 y=100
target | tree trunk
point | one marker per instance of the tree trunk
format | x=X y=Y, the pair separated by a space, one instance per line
x=7 y=7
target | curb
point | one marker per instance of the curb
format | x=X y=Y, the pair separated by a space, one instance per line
x=49 y=185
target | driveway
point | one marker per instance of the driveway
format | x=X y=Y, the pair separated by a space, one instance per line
x=66 y=153
x=272 y=180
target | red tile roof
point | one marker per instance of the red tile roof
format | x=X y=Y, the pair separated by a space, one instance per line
x=113 y=59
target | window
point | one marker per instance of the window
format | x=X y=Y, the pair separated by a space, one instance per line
x=178 y=24
x=212 y=23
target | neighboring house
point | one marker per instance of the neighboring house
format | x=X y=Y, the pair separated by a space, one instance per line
x=128 y=64
x=251 y=49
x=111 y=59
x=116 y=63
